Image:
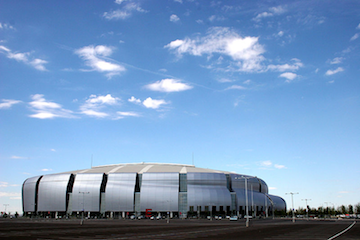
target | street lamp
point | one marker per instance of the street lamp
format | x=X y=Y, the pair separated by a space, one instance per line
x=5 y=205
x=307 y=210
x=168 y=212
x=327 y=209
x=272 y=203
x=82 y=217
x=211 y=207
x=292 y=200
x=246 y=199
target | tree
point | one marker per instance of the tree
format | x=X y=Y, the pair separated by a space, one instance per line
x=343 y=209
x=357 y=208
x=351 y=209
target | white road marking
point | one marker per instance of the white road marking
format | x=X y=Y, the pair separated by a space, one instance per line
x=336 y=235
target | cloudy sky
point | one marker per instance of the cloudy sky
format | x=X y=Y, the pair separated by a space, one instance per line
x=265 y=88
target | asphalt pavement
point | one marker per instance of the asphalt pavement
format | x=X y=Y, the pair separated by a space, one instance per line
x=178 y=229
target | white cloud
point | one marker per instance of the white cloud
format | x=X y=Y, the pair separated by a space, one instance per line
x=46 y=109
x=337 y=60
x=174 y=18
x=128 y=114
x=280 y=34
x=245 y=51
x=277 y=10
x=266 y=163
x=94 y=113
x=289 y=76
x=286 y=67
x=94 y=104
x=4 y=184
x=179 y=1
x=356 y=36
x=272 y=188
x=278 y=166
x=119 y=1
x=269 y=165
x=225 y=80
x=125 y=12
x=20 y=57
x=134 y=100
x=3 y=48
x=17 y=157
x=10 y=194
x=152 y=103
x=216 y=18
x=6 y=26
x=37 y=63
x=108 y=99
x=8 y=103
x=46 y=170
x=332 y=72
x=358 y=26
x=168 y=85
x=272 y=12
x=247 y=81
x=237 y=87
x=94 y=58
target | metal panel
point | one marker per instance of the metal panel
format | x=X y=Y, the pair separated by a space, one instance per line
x=86 y=192
x=264 y=187
x=207 y=189
x=255 y=198
x=183 y=208
x=29 y=194
x=52 y=192
x=279 y=203
x=119 y=192
x=160 y=191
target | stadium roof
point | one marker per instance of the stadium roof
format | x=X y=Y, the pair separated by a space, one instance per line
x=146 y=167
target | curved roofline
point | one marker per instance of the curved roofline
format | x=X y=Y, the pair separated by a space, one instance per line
x=145 y=163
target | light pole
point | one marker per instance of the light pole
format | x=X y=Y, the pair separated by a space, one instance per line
x=272 y=203
x=327 y=209
x=168 y=212
x=292 y=200
x=5 y=205
x=307 y=210
x=82 y=217
x=211 y=207
x=246 y=199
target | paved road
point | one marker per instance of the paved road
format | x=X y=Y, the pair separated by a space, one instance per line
x=177 y=229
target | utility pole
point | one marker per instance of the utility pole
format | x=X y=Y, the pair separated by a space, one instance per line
x=5 y=205
x=246 y=197
x=307 y=210
x=292 y=200
x=272 y=204
x=327 y=209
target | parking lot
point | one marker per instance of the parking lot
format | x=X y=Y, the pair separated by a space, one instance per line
x=177 y=229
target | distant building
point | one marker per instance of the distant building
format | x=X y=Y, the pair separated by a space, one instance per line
x=122 y=190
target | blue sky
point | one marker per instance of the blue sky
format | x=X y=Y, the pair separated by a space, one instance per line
x=266 y=88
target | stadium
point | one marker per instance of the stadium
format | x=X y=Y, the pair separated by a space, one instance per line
x=144 y=189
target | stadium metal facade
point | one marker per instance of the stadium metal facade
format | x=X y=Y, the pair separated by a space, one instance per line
x=125 y=189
